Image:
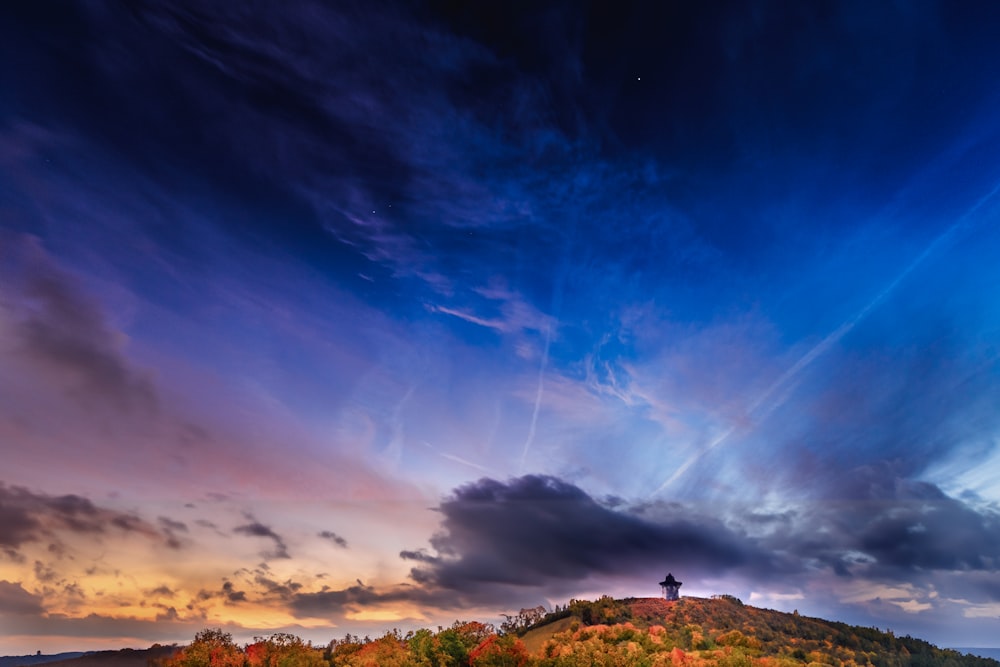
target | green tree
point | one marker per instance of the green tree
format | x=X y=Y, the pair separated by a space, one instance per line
x=425 y=649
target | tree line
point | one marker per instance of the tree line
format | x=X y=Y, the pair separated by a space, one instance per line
x=721 y=632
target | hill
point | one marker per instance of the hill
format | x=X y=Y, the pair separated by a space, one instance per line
x=721 y=631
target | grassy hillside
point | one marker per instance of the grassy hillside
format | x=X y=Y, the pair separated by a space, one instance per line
x=722 y=631
x=535 y=638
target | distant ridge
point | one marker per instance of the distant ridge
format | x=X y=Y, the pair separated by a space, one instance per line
x=27 y=660
x=126 y=657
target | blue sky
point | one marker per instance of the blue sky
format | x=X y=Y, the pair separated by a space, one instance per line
x=326 y=318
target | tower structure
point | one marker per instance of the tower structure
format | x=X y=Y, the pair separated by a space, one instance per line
x=671 y=588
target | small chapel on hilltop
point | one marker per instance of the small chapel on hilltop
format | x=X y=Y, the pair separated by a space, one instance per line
x=671 y=588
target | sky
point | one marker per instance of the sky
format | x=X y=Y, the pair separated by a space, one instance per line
x=327 y=317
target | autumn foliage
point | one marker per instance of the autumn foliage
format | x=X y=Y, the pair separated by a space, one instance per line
x=648 y=632
x=210 y=648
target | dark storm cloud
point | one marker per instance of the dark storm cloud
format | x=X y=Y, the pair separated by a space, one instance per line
x=326 y=603
x=333 y=537
x=14 y=600
x=502 y=543
x=539 y=531
x=534 y=529
x=64 y=333
x=927 y=530
x=978 y=587
x=336 y=599
x=891 y=527
x=257 y=529
x=27 y=516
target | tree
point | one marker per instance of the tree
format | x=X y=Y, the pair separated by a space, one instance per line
x=339 y=652
x=211 y=648
x=386 y=651
x=282 y=650
x=499 y=651
x=524 y=620
x=425 y=649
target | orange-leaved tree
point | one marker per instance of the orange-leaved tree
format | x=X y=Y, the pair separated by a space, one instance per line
x=283 y=650
x=494 y=651
x=211 y=648
x=386 y=651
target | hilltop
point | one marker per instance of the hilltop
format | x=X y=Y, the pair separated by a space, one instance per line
x=724 y=631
